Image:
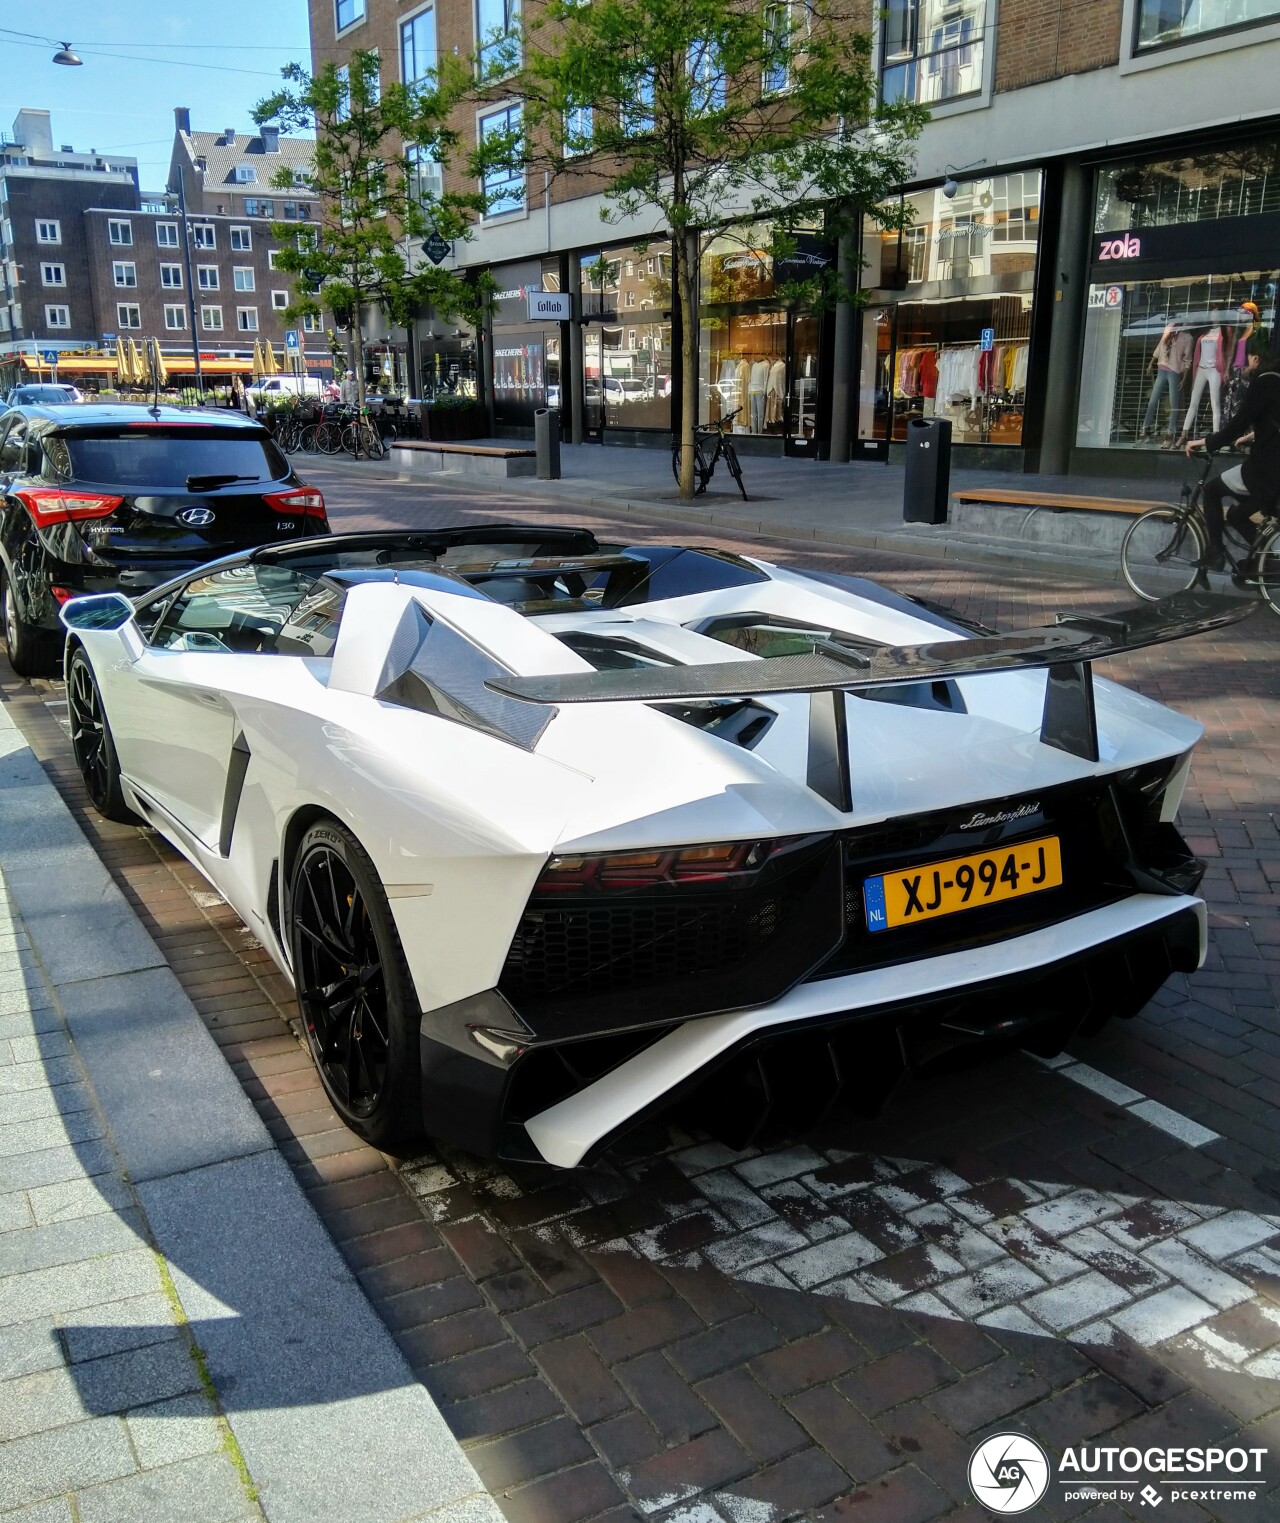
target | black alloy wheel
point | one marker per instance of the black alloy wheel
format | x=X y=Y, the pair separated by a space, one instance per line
x=32 y=652
x=354 y=990
x=95 y=751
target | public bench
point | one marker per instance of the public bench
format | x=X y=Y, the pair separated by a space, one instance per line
x=1074 y=522
x=1020 y=497
x=426 y=457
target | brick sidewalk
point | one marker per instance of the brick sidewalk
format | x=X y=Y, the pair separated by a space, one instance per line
x=824 y=1329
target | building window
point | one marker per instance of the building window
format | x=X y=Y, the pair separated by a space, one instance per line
x=931 y=51
x=418 y=47
x=1161 y=22
x=578 y=126
x=346 y=13
x=53 y=274
x=204 y=235
x=211 y=319
x=777 y=39
x=247 y=319
x=639 y=115
x=241 y=240
x=124 y=272
x=246 y=174
x=175 y=317
x=257 y=208
x=426 y=183
x=498 y=35
x=119 y=231
x=128 y=316
x=707 y=78
x=57 y=317
x=242 y=277
x=271 y=258
x=503 y=187
x=311 y=323
x=167 y=235
x=171 y=277
x=279 y=300
x=46 y=232
x=207 y=277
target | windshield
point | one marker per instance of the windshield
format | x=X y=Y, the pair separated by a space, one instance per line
x=159 y=457
x=42 y=394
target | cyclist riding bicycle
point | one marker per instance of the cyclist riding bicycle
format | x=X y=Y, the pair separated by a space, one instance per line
x=1255 y=483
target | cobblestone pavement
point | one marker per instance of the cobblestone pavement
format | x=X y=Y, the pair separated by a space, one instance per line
x=1087 y=1251
x=104 y=1413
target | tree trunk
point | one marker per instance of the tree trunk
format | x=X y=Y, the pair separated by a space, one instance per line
x=686 y=316
x=357 y=350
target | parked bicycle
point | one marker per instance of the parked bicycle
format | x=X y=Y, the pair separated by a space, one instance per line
x=709 y=446
x=1166 y=550
x=360 y=436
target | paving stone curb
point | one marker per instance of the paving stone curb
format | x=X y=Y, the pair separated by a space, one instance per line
x=332 y=1422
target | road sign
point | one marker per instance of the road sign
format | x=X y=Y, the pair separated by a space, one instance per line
x=437 y=248
x=108 y=338
x=49 y=356
x=988 y=338
x=291 y=338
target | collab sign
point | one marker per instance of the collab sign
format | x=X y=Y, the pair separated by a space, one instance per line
x=550 y=306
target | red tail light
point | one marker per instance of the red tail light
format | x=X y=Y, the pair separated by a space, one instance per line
x=309 y=501
x=726 y=865
x=56 y=505
x=63 y=594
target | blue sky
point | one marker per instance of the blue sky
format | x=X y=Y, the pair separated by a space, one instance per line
x=141 y=59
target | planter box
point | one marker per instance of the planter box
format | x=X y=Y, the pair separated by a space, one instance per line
x=445 y=424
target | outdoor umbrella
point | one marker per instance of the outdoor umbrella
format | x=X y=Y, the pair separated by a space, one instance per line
x=123 y=373
x=159 y=371
x=259 y=364
x=269 y=366
x=137 y=366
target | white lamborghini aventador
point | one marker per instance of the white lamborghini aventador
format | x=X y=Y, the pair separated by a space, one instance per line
x=548 y=835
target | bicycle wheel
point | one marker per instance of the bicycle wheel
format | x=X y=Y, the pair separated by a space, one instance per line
x=1162 y=553
x=735 y=470
x=329 y=438
x=372 y=442
x=307 y=438
x=1269 y=570
x=701 y=470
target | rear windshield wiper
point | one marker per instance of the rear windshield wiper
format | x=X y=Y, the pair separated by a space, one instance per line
x=207 y=483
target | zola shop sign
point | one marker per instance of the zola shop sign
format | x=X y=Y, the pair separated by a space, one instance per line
x=550 y=306
x=1214 y=245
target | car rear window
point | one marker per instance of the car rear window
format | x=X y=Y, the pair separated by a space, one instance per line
x=158 y=457
x=42 y=394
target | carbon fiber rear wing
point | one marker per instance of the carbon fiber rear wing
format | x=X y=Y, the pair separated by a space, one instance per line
x=1066 y=648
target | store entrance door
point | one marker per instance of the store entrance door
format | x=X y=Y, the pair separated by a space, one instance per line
x=592 y=384
x=801 y=437
x=875 y=365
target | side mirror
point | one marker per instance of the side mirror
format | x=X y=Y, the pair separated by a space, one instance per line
x=99 y=610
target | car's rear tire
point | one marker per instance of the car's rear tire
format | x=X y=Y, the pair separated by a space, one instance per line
x=32 y=652
x=354 y=991
x=95 y=750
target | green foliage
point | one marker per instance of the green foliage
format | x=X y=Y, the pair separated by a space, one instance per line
x=374 y=200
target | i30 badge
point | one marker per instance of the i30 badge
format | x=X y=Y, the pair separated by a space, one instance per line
x=197 y=518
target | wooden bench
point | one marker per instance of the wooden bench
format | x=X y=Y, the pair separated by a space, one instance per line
x=425 y=457
x=1017 y=497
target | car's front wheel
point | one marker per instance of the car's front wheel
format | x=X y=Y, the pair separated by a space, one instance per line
x=354 y=991
x=33 y=652
x=95 y=751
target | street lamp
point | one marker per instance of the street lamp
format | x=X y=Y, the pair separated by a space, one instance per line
x=64 y=55
x=191 y=290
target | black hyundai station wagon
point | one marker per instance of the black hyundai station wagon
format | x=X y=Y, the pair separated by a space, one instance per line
x=99 y=498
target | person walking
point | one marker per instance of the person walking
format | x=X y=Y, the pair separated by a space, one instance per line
x=349 y=390
x=1255 y=483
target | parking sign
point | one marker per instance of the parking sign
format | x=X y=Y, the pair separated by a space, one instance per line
x=988 y=338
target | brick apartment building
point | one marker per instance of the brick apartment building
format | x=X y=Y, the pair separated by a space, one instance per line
x=88 y=256
x=1114 y=166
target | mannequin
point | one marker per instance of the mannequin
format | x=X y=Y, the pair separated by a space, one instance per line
x=757 y=388
x=1208 y=367
x=1169 y=359
x=776 y=394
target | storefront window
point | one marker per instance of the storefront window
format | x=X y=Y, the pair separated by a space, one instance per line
x=1184 y=271
x=1164 y=21
x=628 y=361
x=744 y=368
x=931 y=50
x=953 y=338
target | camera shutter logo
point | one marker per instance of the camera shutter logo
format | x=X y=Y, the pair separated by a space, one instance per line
x=197 y=518
x=1009 y=1473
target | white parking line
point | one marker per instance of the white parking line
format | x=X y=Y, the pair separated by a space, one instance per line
x=1174 y=1122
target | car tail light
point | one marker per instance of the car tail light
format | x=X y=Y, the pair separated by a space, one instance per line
x=725 y=865
x=309 y=501
x=63 y=594
x=56 y=505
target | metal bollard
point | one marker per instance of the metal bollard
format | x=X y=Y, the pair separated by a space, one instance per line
x=546 y=442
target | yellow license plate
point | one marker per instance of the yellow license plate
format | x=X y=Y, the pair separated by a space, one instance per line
x=909 y=895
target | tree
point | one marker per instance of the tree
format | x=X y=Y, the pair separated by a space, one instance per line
x=707 y=115
x=378 y=176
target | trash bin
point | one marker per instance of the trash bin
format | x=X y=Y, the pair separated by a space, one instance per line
x=546 y=442
x=927 y=487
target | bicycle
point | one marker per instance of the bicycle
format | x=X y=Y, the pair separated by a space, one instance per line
x=704 y=464
x=1166 y=550
x=361 y=434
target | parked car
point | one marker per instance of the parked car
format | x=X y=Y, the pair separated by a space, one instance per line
x=277 y=386
x=96 y=497
x=548 y=835
x=18 y=395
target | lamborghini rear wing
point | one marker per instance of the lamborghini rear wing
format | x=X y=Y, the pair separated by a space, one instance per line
x=1066 y=648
